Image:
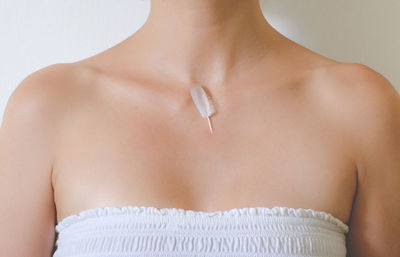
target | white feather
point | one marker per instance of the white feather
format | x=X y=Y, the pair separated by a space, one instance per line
x=203 y=102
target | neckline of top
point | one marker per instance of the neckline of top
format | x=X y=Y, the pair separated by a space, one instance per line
x=252 y=211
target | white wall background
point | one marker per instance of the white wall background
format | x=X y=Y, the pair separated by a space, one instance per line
x=37 y=33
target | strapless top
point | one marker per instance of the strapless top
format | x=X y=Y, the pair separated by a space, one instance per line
x=130 y=231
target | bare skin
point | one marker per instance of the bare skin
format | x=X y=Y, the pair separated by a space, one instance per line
x=293 y=128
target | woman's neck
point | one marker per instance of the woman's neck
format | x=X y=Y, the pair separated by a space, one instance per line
x=205 y=41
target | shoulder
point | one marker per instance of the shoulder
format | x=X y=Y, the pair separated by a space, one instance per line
x=51 y=81
x=28 y=134
x=363 y=99
x=34 y=96
x=38 y=105
x=371 y=110
x=361 y=79
x=372 y=103
x=369 y=107
x=48 y=90
x=32 y=108
x=363 y=103
x=354 y=77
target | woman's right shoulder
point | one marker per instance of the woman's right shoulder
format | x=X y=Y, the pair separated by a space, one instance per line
x=28 y=135
x=55 y=79
x=52 y=88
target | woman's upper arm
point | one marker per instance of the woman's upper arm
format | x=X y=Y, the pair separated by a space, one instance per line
x=27 y=133
x=375 y=219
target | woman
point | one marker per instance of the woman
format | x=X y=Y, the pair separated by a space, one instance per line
x=109 y=155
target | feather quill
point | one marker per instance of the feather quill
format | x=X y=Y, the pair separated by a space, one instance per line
x=203 y=103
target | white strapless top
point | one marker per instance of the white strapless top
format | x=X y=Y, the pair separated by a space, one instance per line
x=130 y=231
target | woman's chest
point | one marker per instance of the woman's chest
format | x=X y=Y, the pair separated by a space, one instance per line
x=264 y=158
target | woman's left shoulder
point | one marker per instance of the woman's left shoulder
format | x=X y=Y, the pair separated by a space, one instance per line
x=355 y=86
x=367 y=105
x=359 y=77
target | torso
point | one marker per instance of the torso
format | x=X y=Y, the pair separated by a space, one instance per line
x=276 y=142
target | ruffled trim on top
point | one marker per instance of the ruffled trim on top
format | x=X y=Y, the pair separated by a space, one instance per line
x=247 y=211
